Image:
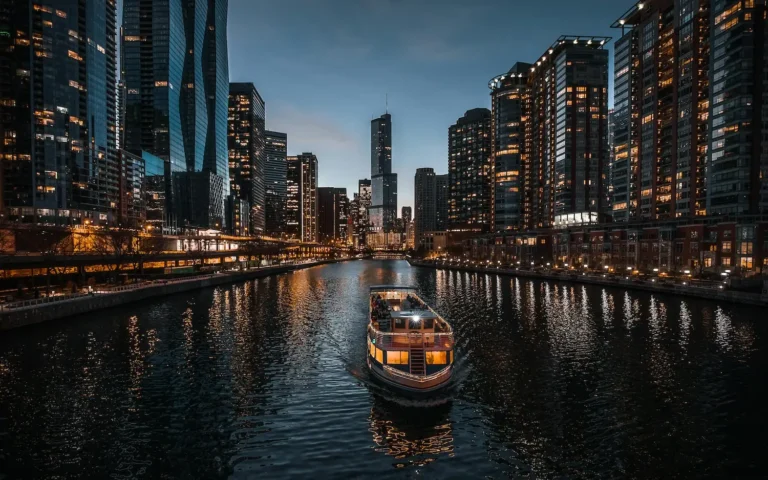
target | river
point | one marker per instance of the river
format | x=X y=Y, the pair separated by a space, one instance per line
x=267 y=379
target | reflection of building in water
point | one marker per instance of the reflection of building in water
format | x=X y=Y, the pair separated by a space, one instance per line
x=413 y=436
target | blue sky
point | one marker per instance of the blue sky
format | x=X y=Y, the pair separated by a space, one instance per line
x=324 y=67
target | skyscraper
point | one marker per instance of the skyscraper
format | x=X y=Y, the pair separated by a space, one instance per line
x=689 y=134
x=470 y=172
x=58 y=116
x=332 y=210
x=364 y=204
x=406 y=214
x=441 y=202
x=510 y=102
x=177 y=81
x=383 y=210
x=246 y=151
x=424 y=200
x=568 y=132
x=301 y=210
x=276 y=149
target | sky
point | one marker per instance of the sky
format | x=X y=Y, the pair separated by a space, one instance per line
x=324 y=68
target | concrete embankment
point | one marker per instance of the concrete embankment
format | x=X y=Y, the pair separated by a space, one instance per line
x=43 y=311
x=709 y=293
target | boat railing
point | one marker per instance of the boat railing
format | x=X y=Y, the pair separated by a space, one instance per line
x=439 y=340
x=416 y=378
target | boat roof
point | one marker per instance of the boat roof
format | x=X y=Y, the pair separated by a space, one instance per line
x=376 y=288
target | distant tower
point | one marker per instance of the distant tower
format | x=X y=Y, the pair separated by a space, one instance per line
x=383 y=210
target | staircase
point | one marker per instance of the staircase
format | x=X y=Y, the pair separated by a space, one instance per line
x=417 y=360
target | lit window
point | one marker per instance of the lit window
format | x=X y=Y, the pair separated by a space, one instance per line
x=436 y=358
x=397 y=358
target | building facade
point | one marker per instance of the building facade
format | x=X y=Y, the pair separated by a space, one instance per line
x=425 y=203
x=568 y=133
x=690 y=81
x=58 y=116
x=276 y=150
x=132 y=212
x=470 y=172
x=332 y=212
x=364 y=204
x=176 y=82
x=510 y=103
x=441 y=202
x=383 y=209
x=301 y=205
x=246 y=144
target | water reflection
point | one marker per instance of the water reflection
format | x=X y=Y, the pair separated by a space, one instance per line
x=267 y=379
x=412 y=436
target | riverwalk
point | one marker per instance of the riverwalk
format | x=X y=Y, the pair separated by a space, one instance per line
x=711 y=292
x=28 y=312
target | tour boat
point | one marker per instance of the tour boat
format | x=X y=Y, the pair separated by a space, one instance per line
x=410 y=346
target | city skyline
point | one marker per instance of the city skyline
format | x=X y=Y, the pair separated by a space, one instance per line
x=430 y=80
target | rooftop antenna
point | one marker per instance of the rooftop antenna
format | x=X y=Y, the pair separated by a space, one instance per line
x=386 y=103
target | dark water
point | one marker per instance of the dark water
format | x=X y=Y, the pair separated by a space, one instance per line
x=267 y=380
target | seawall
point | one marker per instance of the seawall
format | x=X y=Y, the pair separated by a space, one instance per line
x=669 y=289
x=38 y=312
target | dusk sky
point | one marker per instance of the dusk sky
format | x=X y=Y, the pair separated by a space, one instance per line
x=324 y=66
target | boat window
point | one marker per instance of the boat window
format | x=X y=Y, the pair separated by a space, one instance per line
x=380 y=355
x=399 y=322
x=429 y=323
x=397 y=358
x=372 y=349
x=436 y=358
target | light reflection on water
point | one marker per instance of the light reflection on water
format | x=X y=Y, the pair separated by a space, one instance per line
x=267 y=379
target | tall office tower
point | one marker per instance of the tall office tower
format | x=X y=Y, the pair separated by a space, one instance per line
x=568 y=132
x=470 y=172
x=176 y=80
x=425 y=203
x=383 y=210
x=364 y=204
x=301 y=208
x=441 y=202
x=332 y=210
x=510 y=195
x=275 y=149
x=353 y=220
x=662 y=102
x=246 y=152
x=406 y=214
x=58 y=110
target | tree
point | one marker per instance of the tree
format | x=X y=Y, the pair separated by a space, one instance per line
x=117 y=247
x=48 y=242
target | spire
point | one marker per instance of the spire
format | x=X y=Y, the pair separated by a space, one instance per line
x=386 y=103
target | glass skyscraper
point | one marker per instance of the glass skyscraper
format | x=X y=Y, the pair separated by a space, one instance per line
x=383 y=209
x=176 y=88
x=275 y=149
x=58 y=110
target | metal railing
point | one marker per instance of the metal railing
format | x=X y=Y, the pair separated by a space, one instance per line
x=417 y=378
x=437 y=340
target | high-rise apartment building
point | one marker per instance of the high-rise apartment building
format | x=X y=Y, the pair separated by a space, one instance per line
x=301 y=205
x=510 y=102
x=568 y=132
x=276 y=150
x=332 y=211
x=470 y=172
x=247 y=152
x=689 y=100
x=58 y=118
x=424 y=202
x=441 y=202
x=383 y=209
x=177 y=84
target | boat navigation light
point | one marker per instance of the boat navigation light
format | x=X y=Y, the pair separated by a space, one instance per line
x=416 y=318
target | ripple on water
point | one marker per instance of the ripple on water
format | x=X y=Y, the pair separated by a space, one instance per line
x=267 y=379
